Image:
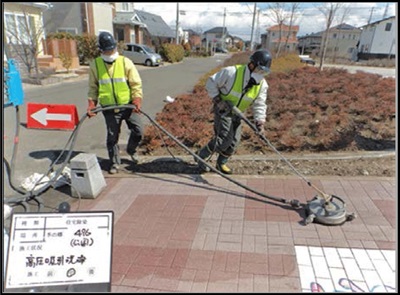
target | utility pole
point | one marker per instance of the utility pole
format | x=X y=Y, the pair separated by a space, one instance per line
x=177 y=23
x=257 y=39
x=223 y=30
x=370 y=16
x=252 y=26
x=386 y=11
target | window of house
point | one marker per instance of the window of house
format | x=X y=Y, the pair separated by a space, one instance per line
x=20 y=28
x=388 y=26
x=334 y=36
x=120 y=34
x=72 y=31
x=125 y=6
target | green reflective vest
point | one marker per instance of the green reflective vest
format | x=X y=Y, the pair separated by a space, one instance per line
x=115 y=90
x=235 y=95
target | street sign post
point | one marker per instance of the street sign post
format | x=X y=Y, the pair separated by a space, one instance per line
x=51 y=116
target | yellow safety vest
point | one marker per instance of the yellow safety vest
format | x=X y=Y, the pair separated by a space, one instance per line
x=235 y=93
x=115 y=90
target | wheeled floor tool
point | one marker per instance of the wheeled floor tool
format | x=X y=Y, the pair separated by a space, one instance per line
x=323 y=208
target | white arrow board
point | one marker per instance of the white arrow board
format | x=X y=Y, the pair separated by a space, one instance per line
x=42 y=117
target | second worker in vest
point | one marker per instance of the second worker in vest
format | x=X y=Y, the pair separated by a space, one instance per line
x=241 y=86
x=114 y=80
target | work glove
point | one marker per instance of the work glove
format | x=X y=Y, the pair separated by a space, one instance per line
x=137 y=102
x=260 y=127
x=90 y=108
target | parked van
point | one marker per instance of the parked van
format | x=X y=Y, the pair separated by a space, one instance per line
x=141 y=54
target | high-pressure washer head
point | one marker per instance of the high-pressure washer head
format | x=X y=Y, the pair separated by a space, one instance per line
x=328 y=212
x=323 y=208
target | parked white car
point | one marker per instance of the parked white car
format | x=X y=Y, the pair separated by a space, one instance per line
x=142 y=54
x=307 y=59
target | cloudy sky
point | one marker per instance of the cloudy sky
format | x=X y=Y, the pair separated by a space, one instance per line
x=202 y=16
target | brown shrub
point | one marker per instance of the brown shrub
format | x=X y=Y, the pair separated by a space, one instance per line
x=308 y=110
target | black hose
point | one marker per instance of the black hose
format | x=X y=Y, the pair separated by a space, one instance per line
x=262 y=136
x=294 y=203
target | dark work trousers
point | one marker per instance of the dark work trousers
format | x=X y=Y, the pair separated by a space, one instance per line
x=228 y=130
x=113 y=121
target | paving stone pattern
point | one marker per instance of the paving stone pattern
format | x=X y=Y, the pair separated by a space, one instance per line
x=202 y=233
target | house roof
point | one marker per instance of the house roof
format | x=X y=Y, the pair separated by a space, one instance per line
x=343 y=27
x=155 y=24
x=312 y=35
x=378 y=21
x=283 y=28
x=217 y=30
x=191 y=32
x=124 y=17
x=152 y=22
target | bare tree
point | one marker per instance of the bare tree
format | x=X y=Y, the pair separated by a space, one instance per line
x=279 y=17
x=294 y=7
x=329 y=10
x=346 y=11
x=24 y=35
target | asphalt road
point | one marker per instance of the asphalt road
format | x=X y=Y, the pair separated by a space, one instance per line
x=38 y=148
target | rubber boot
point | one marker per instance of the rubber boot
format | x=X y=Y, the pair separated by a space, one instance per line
x=221 y=164
x=203 y=153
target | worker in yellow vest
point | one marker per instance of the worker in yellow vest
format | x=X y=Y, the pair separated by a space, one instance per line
x=241 y=86
x=114 y=80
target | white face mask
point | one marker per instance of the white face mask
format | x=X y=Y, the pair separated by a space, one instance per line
x=257 y=77
x=110 y=58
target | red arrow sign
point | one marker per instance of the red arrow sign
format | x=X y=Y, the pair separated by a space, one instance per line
x=51 y=116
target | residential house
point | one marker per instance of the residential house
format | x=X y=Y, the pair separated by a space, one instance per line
x=75 y=18
x=142 y=27
x=128 y=27
x=22 y=32
x=378 y=39
x=78 y=18
x=310 y=43
x=279 y=36
x=237 y=42
x=342 y=41
x=193 y=38
x=216 y=37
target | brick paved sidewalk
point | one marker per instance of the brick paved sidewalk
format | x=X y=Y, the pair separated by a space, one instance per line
x=202 y=233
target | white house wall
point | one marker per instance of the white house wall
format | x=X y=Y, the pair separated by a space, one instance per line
x=103 y=20
x=375 y=40
x=382 y=38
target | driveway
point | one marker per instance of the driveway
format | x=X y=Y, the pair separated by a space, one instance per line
x=385 y=72
x=39 y=147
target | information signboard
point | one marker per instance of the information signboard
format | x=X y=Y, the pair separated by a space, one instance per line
x=60 y=249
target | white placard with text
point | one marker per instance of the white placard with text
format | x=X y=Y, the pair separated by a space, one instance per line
x=48 y=249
